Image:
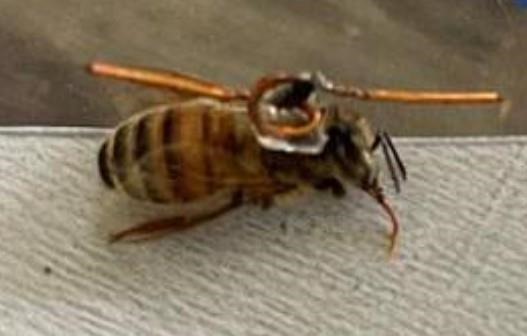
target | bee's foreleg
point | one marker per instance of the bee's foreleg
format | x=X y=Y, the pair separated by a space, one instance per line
x=262 y=198
x=265 y=202
x=265 y=196
x=173 y=224
x=333 y=184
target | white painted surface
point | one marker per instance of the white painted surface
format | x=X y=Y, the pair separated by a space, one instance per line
x=462 y=268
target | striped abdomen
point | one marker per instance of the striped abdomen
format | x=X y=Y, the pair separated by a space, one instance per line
x=180 y=152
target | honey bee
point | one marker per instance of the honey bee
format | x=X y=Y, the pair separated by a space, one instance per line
x=251 y=145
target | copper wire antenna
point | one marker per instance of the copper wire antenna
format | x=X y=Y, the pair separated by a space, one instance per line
x=185 y=83
x=419 y=97
x=408 y=96
x=170 y=80
x=182 y=82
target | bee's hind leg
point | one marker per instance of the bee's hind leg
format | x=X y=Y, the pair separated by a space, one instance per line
x=152 y=228
x=164 y=226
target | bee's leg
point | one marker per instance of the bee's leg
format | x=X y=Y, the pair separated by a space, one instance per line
x=264 y=197
x=333 y=184
x=266 y=201
x=173 y=224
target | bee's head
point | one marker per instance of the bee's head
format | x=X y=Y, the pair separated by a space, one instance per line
x=350 y=146
x=352 y=143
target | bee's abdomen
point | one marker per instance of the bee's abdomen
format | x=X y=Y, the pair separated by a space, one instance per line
x=165 y=155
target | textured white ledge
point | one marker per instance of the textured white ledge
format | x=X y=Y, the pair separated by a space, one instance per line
x=462 y=268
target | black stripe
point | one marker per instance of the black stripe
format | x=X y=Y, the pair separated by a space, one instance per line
x=142 y=147
x=170 y=156
x=141 y=141
x=205 y=129
x=119 y=152
x=104 y=170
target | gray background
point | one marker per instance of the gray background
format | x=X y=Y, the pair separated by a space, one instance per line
x=310 y=266
x=429 y=44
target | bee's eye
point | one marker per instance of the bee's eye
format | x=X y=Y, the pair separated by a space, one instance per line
x=337 y=132
x=350 y=145
x=341 y=139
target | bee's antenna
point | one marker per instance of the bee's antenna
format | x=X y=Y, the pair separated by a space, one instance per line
x=391 y=167
x=400 y=163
